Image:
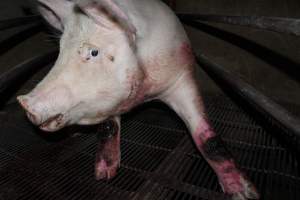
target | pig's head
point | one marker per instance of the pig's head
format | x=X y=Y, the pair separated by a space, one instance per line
x=96 y=72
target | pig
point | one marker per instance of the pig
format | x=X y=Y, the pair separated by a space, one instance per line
x=115 y=55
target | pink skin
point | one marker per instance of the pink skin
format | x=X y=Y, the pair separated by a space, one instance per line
x=203 y=133
x=138 y=94
x=43 y=101
x=231 y=182
x=139 y=98
x=154 y=81
x=122 y=16
x=116 y=12
x=105 y=171
x=186 y=54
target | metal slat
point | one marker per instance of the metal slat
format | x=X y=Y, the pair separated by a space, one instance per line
x=276 y=24
x=64 y=169
x=20 y=21
x=281 y=62
x=22 y=71
x=258 y=100
x=19 y=37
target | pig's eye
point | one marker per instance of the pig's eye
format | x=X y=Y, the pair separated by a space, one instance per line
x=94 y=52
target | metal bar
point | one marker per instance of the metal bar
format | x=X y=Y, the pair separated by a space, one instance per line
x=171 y=3
x=281 y=62
x=22 y=71
x=255 y=98
x=276 y=24
x=19 y=37
x=20 y=21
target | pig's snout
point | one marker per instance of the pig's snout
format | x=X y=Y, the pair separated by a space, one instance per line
x=41 y=118
x=34 y=117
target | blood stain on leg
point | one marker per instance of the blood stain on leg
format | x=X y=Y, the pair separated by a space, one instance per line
x=215 y=150
x=108 y=152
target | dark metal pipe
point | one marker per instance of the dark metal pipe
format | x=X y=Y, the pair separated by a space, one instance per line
x=20 y=21
x=276 y=24
x=270 y=56
x=19 y=37
x=9 y=79
x=255 y=98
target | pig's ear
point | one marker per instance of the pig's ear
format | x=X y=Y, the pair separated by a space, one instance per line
x=55 y=11
x=109 y=13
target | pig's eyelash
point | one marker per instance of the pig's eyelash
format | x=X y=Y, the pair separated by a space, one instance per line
x=53 y=38
x=88 y=51
x=54 y=35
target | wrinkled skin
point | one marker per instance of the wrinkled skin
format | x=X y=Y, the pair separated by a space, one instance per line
x=113 y=56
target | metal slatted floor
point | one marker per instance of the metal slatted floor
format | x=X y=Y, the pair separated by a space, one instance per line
x=159 y=160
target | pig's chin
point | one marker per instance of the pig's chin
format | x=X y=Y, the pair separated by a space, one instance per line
x=91 y=121
x=58 y=122
x=53 y=124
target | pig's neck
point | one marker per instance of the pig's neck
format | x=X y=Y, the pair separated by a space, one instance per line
x=161 y=71
x=164 y=67
x=139 y=93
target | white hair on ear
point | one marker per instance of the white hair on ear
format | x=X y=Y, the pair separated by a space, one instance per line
x=115 y=11
x=55 y=11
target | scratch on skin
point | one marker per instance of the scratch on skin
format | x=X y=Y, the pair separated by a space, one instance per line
x=215 y=149
x=210 y=144
x=136 y=96
x=139 y=90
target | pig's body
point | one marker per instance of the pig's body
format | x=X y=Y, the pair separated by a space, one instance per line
x=162 y=47
x=115 y=55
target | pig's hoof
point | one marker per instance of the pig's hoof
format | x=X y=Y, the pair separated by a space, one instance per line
x=245 y=195
x=248 y=192
x=105 y=172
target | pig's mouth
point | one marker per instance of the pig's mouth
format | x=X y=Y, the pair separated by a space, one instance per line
x=53 y=123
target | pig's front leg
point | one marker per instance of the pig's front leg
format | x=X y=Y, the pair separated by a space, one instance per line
x=108 y=152
x=184 y=97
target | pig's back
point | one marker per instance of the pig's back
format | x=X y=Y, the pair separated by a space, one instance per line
x=162 y=44
x=157 y=26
